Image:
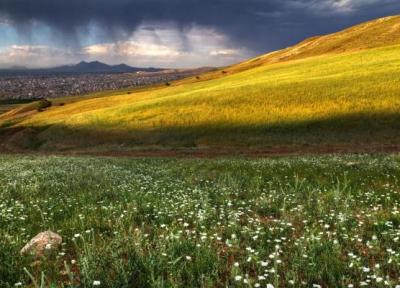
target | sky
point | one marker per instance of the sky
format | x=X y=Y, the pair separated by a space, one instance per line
x=168 y=33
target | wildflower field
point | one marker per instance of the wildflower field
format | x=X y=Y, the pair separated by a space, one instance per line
x=326 y=221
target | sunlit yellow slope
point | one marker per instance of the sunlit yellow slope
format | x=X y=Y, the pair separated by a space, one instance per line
x=372 y=34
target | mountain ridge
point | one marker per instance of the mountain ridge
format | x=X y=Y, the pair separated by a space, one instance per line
x=84 y=67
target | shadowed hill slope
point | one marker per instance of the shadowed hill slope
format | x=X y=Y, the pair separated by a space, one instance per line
x=340 y=89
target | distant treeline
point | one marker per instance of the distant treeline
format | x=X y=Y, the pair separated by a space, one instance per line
x=17 y=101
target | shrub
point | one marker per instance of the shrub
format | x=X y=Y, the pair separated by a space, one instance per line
x=43 y=104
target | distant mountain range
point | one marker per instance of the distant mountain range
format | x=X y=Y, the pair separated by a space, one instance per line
x=82 y=67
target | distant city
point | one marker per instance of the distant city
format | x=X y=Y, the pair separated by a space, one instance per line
x=83 y=78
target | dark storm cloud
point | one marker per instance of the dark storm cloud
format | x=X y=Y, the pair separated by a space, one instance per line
x=258 y=24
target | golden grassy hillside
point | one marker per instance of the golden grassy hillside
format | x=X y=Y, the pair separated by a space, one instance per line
x=347 y=95
x=372 y=34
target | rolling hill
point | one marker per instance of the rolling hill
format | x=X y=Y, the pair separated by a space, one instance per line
x=339 y=90
x=373 y=34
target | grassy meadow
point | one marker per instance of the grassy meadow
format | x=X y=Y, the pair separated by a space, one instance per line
x=286 y=222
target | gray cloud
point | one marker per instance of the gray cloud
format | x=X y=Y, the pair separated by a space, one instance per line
x=259 y=25
x=147 y=46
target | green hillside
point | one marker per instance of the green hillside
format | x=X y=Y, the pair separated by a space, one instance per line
x=339 y=90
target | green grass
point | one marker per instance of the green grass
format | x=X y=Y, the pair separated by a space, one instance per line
x=289 y=222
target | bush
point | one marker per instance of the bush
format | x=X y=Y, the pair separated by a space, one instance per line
x=43 y=104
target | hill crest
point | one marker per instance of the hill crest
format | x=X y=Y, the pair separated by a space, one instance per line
x=372 y=34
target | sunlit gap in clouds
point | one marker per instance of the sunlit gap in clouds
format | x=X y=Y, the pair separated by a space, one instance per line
x=150 y=44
